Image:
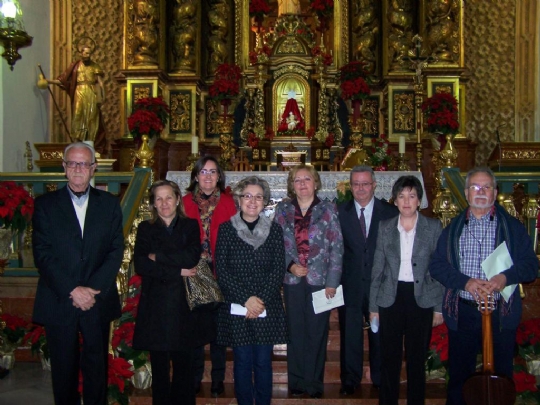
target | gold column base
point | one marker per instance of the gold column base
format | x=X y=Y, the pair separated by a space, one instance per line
x=403 y=166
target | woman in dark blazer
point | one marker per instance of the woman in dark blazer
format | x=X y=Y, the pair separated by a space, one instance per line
x=403 y=297
x=168 y=247
x=250 y=259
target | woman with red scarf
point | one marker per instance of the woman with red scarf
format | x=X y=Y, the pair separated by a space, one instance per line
x=208 y=203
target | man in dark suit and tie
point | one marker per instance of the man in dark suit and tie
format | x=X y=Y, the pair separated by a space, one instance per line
x=78 y=247
x=359 y=220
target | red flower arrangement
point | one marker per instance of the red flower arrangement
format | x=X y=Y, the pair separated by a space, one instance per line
x=258 y=8
x=379 y=153
x=438 y=349
x=227 y=82
x=16 y=206
x=310 y=133
x=37 y=340
x=329 y=141
x=524 y=382
x=442 y=113
x=528 y=338
x=269 y=134
x=326 y=58
x=324 y=10
x=14 y=330
x=353 y=85
x=149 y=117
x=253 y=140
x=260 y=54
x=118 y=374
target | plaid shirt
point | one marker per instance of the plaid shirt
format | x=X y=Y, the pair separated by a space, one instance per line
x=476 y=243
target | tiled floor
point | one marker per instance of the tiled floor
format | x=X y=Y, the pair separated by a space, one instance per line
x=26 y=384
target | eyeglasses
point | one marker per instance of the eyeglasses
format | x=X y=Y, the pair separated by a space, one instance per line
x=211 y=172
x=249 y=197
x=478 y=188
x=83 y=165
x=362 y=185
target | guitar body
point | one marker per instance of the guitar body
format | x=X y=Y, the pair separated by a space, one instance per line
x=486 y=388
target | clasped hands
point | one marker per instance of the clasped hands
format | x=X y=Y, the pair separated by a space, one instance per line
x=83 y=297
x=481 y=288
x=255 y=306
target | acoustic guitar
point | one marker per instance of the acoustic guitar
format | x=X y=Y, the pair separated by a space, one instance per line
x=487 y=388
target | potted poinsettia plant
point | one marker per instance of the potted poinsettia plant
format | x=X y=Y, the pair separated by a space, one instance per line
x=437 y=360
x=526 y=388
x=226 y=84
x=150 y=116
x=441 y=113
x=324 y=9
x=37 y=340
x=257 y=10
x=118 y=374
x=379 y=153
x=352 y=78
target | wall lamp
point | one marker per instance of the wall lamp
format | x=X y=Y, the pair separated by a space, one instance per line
x=12 y=33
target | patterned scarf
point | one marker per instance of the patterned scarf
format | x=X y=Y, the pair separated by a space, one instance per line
x=207 y=205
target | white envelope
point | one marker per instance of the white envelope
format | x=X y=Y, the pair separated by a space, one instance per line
x=237 y=309
x=497 y=262
x=322 y=304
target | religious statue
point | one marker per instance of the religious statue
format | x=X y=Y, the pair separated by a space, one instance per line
x=288 y=7
x=291 y=119
x=366 y=29
x=185 y=35
x=82 y=81
x=440 y=30
x=145 y=42
x=400 y=17
x=217 y=42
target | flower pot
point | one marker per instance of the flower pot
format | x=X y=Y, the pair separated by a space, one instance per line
x=142 y=377
x=6 y=239
x=7 y=360
x=45 y=362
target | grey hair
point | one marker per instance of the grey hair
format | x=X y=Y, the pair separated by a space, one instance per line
x=80 y=145
x=362 y=169
x=251 y=181
x=481 y=169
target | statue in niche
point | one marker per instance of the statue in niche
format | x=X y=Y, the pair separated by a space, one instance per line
x=400 y=17
x=145 y=38
x=289 y=7
x=440 y=30
x=184 y=33
x=217 y=42
x=292 y=118
x=366 y=29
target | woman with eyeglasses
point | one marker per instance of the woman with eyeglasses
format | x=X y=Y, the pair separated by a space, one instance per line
x=250 y=258
x=207 y=202
x=314 y=250
x=403 y=295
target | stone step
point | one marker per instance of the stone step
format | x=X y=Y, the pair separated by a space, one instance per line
x=365 y=394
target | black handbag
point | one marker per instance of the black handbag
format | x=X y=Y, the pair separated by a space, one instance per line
x=202 y=289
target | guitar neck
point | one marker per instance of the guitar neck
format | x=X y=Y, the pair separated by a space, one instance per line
x=487 y=343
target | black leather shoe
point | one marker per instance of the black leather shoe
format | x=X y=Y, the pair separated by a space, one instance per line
x=197 y=387
x=217 y=388
x=316 y=395
x=346 y=389
x=297 y=393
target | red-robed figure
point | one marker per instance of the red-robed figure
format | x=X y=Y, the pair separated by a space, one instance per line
x=291 y=118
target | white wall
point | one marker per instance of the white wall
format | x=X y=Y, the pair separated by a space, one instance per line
x=23 y=107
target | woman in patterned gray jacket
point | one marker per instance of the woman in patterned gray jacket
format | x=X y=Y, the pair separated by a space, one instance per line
x=250 y=266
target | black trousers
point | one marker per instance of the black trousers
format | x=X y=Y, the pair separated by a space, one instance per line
x=404 y=321
x=308 y=337
x=68 y=357
x=218 y=356
x=179 y=390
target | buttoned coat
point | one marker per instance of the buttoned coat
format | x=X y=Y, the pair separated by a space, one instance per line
x=387 y=261
x=325 y=244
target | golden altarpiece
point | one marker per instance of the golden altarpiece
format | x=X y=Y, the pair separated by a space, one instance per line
x=411 y=48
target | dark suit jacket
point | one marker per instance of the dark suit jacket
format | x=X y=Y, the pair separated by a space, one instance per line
x=358 y=254
x=387 y=261
x=66 y=259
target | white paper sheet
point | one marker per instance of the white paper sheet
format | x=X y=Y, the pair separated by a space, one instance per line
x=497 y=262
x=322 y=304
x=237 y=309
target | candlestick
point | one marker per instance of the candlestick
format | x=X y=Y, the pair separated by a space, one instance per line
x=194 y=145
x=402 y=144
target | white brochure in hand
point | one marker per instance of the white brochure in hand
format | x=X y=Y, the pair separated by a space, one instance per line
x=322 y=304
x=237 y=309
x=498 y=261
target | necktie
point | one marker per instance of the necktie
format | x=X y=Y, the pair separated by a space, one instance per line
x=363 y=223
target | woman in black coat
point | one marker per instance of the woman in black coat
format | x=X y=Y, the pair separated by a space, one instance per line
x=168 y=247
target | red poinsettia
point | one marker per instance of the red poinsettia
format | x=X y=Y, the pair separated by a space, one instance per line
x=330 y=140
x=227 y=82
x=269 y=134
x=16 y=206
x=149 y=117
x=123 y=335
x=258 y=8
x=528 y=337
x=326 y=58
x=37 y=340
x=310 y=133
x=324 y=10
x=15 y=328
x=119 y=370
x=353 y=84
x=379 y=153
x=438 y=348
x=252 y=140
x=442 y=113
x=524 y=382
